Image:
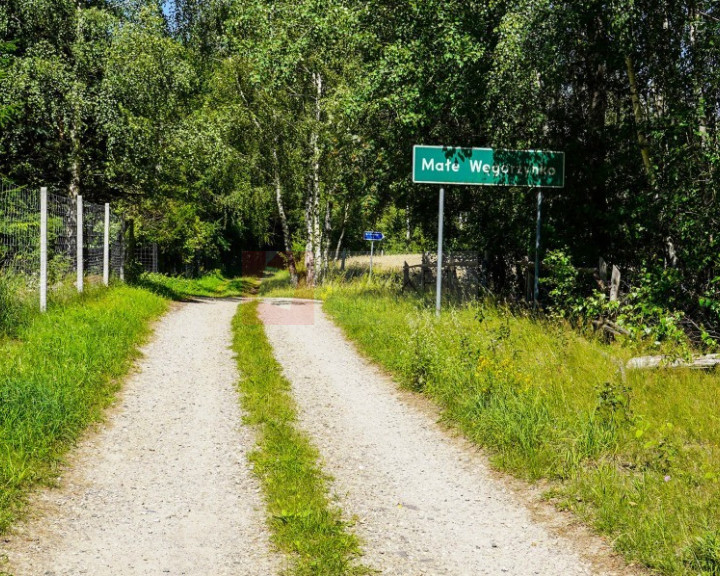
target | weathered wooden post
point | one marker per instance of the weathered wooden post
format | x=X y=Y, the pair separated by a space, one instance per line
x=602 y=271
x=614 y=284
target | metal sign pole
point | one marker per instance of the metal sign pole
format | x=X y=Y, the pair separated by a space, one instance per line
x=438 y=296
x=372 y=246
x=536 y=291
x=459 y=165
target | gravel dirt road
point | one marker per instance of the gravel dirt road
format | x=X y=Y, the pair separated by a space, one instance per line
x=164 y=487
x=426 y=503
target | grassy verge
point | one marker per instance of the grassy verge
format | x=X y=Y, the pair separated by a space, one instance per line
x=634 y=453
x=213 y=285
x=306 y=526
x=56 y=374
x=17 y=304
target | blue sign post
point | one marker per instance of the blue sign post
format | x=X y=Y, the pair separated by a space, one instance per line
x=373 y=237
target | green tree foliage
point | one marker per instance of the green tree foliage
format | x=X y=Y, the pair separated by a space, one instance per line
x=222 y=124
x=629 y=90
x=6 y=49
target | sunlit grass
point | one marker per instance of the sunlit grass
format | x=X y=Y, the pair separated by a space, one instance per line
x=306 y=526
x=56 y=374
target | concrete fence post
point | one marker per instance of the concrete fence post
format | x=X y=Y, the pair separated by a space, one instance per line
x=122 y=250
x=43 y=249
x=80 y=263
x=106 y=247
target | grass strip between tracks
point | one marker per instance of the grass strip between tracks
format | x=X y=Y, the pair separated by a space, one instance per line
x=305 y=524
x=57 y=373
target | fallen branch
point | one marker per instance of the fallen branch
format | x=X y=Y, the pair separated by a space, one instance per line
x=610 y=327
x=649 y=362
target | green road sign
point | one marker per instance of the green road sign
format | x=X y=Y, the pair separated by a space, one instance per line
x=488 y=167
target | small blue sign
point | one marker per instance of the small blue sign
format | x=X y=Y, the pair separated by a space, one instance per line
x=374 y=236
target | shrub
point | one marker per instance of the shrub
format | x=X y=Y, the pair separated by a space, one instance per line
x=562 y=283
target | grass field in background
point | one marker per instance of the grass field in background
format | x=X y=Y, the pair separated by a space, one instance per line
x=305 y=525
x=57 y=372
x=634 y=453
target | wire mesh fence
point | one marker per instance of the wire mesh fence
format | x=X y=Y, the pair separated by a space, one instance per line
x=19 y=230
x=62 y=238
x=20 y=236
x=117 y=245
x=146 y=256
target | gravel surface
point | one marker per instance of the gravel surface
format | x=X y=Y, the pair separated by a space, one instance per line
x=164 y=487
x=425 y=504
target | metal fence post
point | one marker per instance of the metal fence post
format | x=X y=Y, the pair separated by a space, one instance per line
x=122 y=250
x=106 y=247
x=80 y=267
x=43 y=249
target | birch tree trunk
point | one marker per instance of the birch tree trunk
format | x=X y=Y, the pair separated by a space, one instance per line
x=346 y=213
x=313 y=246
x=326 y=244
x=700 y=102
x=74 y=134
x=74 y=188
x=309 y=243
x=292 y=268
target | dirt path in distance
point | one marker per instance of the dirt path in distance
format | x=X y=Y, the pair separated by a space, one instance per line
x=164 y=487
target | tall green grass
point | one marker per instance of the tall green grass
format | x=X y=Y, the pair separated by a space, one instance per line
x=17 y=303
x=635 y=453
x=305 y=523
x=56 y=374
